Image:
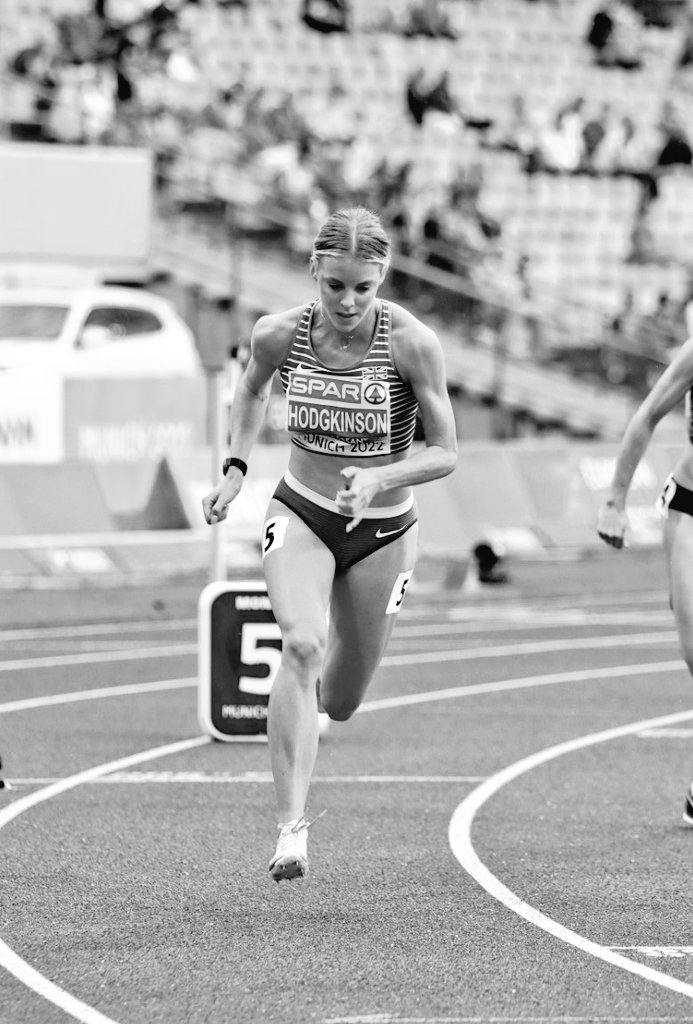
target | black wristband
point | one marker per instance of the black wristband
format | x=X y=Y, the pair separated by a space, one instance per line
x=238 y=463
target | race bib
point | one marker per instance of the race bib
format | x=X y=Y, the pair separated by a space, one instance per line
x=339 y=415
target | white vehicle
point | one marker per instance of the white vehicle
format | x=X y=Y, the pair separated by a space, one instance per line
x=102 y=331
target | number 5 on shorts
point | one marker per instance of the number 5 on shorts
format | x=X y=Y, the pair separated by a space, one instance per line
x=273 y=536
x=398 y=592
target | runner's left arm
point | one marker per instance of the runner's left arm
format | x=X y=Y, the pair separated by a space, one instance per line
x=420 y=361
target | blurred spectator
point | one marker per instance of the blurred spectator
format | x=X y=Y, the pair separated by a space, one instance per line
x=98 y=103
x=326 y=15
x=560 y=145
x=601 y=29
x=594 y=131
x=465 y=186
x=181 y=64
x=160 y=19
x=389 y=183
x=517 y=130
x=615 y=36
x=427 y=18
x=673 y=150
x=628 y=38
x=686 y=57
x=626 y=148
x=662 y=13
x=417 y=95
x=676 y=148
x=424 y=95
x=438 y=249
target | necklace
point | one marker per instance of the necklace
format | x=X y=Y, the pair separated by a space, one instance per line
x=344 y=339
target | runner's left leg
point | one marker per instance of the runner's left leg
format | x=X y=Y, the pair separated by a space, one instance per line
x=365 y=602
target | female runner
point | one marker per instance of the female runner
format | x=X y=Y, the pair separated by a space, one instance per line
x=675 y=503
x=340 y=537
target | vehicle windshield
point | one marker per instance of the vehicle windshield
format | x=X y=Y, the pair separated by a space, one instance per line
x=32 y=323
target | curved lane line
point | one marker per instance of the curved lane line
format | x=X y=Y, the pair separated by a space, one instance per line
x=384 y=703
x=96 y=657
x=30 y=977
x=526 y=682
x=459 y=835
x=10 y=960
x=73 y=696
x=457 y=654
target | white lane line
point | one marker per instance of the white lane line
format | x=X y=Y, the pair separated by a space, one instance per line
x=578 y=676
x=96 y=629
x=248 y=778
x=389 y=1018
x=464 y=628
x=9 y=960
x=130 y=689
x=450 y=693
x=78 y=647
x=172 y=651
x=459 y=835
x=534 y=647
x=87 y=1015
x=520 y=618
x=660 y=951
x=471 y=653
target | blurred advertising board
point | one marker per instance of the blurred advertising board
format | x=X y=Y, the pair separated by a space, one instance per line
x=529 y=496
x=31 y=418
x=133 y=420
x=49 y=418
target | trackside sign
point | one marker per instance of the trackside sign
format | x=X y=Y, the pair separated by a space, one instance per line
x=239 y=645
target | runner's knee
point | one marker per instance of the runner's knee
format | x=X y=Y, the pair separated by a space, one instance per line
x=303 y=650
x=340 y=710
x=339 y=705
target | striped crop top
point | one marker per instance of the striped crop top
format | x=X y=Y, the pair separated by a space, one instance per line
x=365 y=410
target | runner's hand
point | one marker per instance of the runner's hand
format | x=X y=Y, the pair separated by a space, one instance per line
x=360 y=487
x=215 y=505
x=612 y=526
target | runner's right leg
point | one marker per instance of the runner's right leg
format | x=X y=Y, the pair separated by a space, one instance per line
x=299 y=571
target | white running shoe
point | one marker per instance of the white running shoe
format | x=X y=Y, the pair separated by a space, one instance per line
x=291 y=856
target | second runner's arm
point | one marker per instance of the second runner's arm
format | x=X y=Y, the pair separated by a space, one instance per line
x=665 y=394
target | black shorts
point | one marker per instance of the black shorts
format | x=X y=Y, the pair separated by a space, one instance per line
x=368 y=536
x=675 y=497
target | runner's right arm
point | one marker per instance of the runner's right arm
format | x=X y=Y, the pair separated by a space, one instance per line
x=247 y=412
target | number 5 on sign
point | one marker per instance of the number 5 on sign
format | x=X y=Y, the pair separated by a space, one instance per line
x=254 y=651
x=239 y=651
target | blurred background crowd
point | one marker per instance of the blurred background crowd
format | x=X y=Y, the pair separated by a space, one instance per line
x=531 y=158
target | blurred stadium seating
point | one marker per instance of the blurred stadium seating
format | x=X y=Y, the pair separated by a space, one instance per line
x=574 y=232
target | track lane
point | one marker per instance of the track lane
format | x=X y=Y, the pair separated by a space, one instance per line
x=386 y=840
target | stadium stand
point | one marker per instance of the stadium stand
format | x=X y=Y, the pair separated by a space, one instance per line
x=246 y=104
